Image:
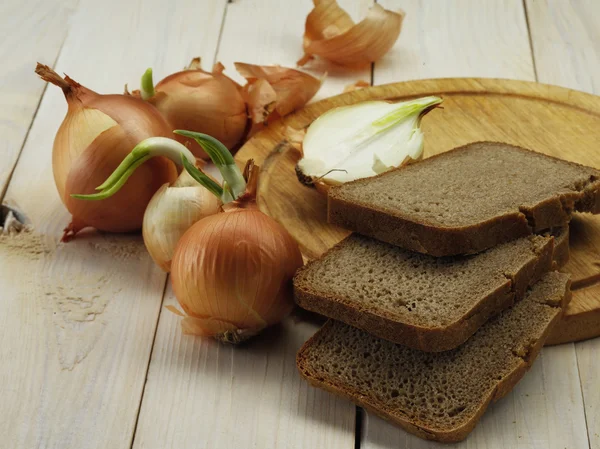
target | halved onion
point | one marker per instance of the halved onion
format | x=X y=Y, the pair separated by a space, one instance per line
x=362 y=140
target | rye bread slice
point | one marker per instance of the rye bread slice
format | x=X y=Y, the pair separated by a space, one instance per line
x=437 y=396
x=467 y=199
x=427 y=303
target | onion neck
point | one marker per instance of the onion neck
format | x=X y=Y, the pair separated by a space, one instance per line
x=248 y=199
x=71 y=88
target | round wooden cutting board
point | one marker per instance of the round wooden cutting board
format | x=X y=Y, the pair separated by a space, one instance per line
x=548 y=119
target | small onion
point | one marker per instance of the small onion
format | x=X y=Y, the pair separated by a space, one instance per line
x=210 y=103
x=232 y=272
x=96 y=134
x=171 y=212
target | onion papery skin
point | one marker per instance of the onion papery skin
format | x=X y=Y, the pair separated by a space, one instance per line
x=170 y=213
x=232 y=274
x=98 y=132
x=204 y=102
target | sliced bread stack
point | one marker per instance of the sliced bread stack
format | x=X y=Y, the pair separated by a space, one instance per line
x=444 y=296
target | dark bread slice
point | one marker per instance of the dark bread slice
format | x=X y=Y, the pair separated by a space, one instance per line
x=437 y=396
x=467 y=199
x=427 y=303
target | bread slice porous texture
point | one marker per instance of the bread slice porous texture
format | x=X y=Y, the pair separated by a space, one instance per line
x=466 y=200
x=427 y=303
x=438 y=396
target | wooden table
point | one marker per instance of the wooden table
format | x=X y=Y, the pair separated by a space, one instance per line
x=89 y=357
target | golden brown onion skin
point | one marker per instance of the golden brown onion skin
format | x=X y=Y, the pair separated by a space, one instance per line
x=233 y=272
x=80 y=169
x=204 y=102
x=124 y=211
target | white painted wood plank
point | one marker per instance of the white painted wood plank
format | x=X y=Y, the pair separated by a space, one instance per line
x=31 y=30
x=200 y=394
x=78 y=319
x=269 y=32
x=566 y=43
x=458 y=38
x=487 y=39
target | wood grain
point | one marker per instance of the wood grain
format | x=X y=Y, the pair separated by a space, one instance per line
x=78 y=320
x=566 y=44
x=526 y=114
x=203 y=395
x=478 y=29
x=457 y=38
x=35 y=32
x=565 y=40
x=474 y=109
x=589 y=370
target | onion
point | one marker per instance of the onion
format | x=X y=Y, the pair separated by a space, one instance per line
x=231 y=272
x=96 y=134
x=171 y=212
x=362 y=140
x=210 y=103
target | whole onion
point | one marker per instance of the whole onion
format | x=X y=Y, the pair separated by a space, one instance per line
x=232 y=272
x=97 y=133
x=172 y=211
x=209 y=103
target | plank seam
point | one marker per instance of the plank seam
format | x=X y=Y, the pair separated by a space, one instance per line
x=221 y=28
x=158 y=315
x=535 y=71
x=358 y=422
x=587 y=428
x=37 y=108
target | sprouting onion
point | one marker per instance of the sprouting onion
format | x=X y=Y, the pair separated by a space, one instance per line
x=232 y=271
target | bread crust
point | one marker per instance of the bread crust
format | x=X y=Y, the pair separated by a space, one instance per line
x=419 y=428
x=430 y=339
x=424 y=237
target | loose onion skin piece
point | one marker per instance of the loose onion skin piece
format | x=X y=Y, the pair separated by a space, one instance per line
x=232 y=272
x=275 y=91
x=330 y=33
x=95 y=136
